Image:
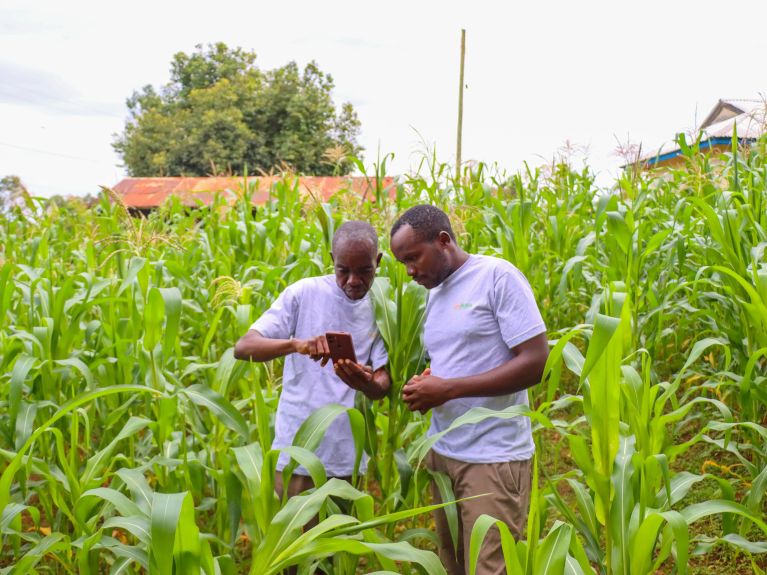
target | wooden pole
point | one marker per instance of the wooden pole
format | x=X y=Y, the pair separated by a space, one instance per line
x=460 y=107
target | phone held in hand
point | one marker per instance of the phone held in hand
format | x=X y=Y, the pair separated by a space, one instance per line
x=341 y=346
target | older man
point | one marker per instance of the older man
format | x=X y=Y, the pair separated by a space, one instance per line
x=295 y=326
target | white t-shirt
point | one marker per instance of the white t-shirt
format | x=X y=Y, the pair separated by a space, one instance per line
x=308 y=308
x=473 y=318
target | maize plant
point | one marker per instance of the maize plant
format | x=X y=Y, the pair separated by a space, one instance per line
x=132 y=441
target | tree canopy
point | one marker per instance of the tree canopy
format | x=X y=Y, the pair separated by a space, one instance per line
x=220 y=113
x=11 y=188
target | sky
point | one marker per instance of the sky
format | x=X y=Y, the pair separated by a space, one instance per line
x=540 y=76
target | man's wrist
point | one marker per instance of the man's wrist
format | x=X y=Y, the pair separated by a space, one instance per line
x=453 y=388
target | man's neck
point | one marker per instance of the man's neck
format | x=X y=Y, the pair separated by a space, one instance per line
x=459 y=258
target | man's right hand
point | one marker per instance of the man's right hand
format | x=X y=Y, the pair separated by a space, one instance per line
x=316 y=348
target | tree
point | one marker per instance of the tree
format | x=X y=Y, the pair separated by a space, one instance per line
x=11 y=190
x=220 y=113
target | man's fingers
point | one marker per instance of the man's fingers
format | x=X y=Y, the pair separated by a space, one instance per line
x=342 y=368
x=323 y=345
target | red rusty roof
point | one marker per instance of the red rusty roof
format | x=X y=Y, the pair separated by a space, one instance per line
x=152 y=192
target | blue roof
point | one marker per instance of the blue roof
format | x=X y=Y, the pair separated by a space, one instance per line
x=704 y=145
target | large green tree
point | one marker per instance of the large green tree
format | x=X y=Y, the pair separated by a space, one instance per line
x=11 y=189
x=220 y=113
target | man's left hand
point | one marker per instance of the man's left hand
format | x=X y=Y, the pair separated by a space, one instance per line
x=355 y=375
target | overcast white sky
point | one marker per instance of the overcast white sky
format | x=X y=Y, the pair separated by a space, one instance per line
x=538 y=73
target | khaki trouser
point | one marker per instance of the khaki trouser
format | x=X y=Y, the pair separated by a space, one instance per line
x=509 y=486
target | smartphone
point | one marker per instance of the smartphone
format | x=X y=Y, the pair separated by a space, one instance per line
x=341 y=346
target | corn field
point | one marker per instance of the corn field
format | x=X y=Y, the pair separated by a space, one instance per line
x=132 y=441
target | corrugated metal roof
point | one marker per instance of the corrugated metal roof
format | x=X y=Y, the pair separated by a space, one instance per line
x=144 y=193
x=751 y=124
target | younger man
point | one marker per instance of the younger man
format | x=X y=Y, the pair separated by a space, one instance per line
x=487 y=344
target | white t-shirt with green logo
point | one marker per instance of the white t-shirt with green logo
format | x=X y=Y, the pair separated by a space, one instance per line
x=308 y=308
x=473 y=319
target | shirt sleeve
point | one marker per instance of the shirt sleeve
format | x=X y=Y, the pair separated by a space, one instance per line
x=515 y=308
x=378 y=355
x=279 y=321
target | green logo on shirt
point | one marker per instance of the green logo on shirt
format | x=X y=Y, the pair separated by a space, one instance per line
x=461 y=306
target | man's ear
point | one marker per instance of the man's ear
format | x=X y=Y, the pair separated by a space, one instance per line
x=332 y=259
x=378 y=259
x=444 y=239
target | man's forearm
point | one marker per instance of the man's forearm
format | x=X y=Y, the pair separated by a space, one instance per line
x=255 y=347
x=517 y=374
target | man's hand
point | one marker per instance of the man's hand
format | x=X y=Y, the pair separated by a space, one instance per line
x=354 y=375
x=316 y=348
x=425 y=391
x=374 y=384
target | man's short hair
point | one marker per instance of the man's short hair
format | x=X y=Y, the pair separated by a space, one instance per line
x=355 y=231
x=427 y=222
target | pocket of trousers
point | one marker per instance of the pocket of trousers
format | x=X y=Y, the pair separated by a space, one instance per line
x=510 y=475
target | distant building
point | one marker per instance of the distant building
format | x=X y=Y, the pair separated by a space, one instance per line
x=142 y=195
x=716 y=132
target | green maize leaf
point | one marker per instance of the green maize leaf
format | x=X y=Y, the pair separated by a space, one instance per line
x=137 y=525
x=585 y=506
x=698 y=511
x=551 y=555
x=124 y=506
x=577 y=561
x=228 y=371
x=287 y=524
x=172 y=299
x=204 y=396
x=396 y=516
x=137 y=484
x=154 y=315
x=400 y=551
x=681 y=484
x=97 y=462
x=226 y=565
x=22 y=367
x=313 y=429
x=331 y=523
x=445 y=488
x=307 y=459
x=173 y=528
x=757 y=491
x=705 y=544
x=233 y=489
x=7 y=476
x=78 y=364
x=419 y=533
x=166 y=511
x=405 y=471
x=129 y=554
x=52 y=543
x=187 y=549
x=25 y=422
x=421 y=447
x=644 y=541
x=135 y=266
x=622 y=504
x=478 y=532
x=251 y=460
x=13 y=510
